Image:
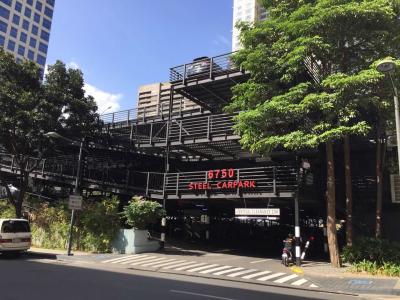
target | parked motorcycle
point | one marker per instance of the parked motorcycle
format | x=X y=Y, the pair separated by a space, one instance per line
x=287 y=255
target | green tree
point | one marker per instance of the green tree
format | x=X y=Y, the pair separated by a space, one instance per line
x=30 y=108
x=308 y=63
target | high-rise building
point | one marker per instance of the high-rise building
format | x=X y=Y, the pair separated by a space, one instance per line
x=25 y=28
x=154 y=100
x=248 y=11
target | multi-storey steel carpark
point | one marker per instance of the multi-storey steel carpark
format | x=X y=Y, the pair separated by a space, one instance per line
x=192 y=162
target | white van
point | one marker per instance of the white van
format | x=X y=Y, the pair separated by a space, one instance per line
x=15 y=235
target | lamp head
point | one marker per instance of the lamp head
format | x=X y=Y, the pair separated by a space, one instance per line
x=386 y=66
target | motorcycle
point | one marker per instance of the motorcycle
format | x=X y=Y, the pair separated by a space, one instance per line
x=287 y=255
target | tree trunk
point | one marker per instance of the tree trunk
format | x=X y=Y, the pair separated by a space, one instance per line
x=331 y=208
x=21 y=195
x=349 y=192
x=379 y=188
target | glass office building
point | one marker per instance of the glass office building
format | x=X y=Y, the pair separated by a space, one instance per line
x=25 y=28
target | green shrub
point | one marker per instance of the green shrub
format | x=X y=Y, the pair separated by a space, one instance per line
x=96 y=225
x=6 y=210
x=374 y=250
x=374 y=256
x=140 y=213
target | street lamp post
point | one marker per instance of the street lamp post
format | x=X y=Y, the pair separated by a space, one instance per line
x=389 y=67
x=77 y=182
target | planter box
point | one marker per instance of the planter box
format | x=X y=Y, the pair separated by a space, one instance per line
x=133 y=241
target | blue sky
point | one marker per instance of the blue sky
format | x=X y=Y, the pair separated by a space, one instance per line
x=122 y=44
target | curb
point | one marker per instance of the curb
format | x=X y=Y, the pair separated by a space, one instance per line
x=162 y=271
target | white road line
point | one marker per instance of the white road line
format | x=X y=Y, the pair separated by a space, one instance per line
x=134 y=259
x=215 y=269
x=265 y=278
x=313 y=286
x=258 y=261
x=189 y=266
x=228 y=271
x=156 y=261
x=286 y=278
x=171 y=262
x=140 y=261
x=299 y=282
x=179 y=265
x=200 y=295
x=256 y=274
x=241 y=273
x=201 y=268
x=116 y=260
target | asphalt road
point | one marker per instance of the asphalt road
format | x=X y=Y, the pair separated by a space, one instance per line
x=42 y=279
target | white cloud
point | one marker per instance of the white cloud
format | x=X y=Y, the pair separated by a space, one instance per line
x=222 y=40
x=104 y=99
x=73 y=65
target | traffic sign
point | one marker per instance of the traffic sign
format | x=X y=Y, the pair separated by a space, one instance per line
x=75 y=202
x=257 y=211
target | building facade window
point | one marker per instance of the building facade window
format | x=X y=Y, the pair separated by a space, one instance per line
x=48 y=12
x=11 y=45
x=16 y=19
x=7 y=2
x=41 y=60
x=39 y=6
x=30 y=2
x=23 y=37
x=21 y=50
x=28 y=12
x=50 y=2
x=43 y=48
x=14 y=32
x=4 y=12
x=36 y=18
x=31 y=55
x=18 y=6
x=45 y=35
x=46 y=23
x=2 y=40
x=35 y=29
x=3 y=26
x=25 y=24
x=32 y=42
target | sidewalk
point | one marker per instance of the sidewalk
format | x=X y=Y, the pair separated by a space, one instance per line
x=341 y=279
x=55 y=252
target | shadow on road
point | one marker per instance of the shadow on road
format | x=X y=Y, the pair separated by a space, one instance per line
x=22 y=279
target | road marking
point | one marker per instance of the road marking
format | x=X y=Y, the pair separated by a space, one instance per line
x=256 y=274
x=228 y=271
x=174 y=261
x=116 y=260
x=156 y=261
x=265 y=278
x=201 y=268
x=140 y=261
x=258 y=261
x=299 y=282
x=189 y=266
x=215 y=269
x=179 y=265
x=313 y=286
x=241 y=273
x=297 y=270
x=287 y=278
x=200 y=295
x=135 y=259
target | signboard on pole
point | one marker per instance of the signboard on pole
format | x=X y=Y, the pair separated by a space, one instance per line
x=75 y=202
x=257 y=211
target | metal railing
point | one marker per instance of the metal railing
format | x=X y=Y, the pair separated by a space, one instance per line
x=204 y=68
x=194 y=128
x=148 y=113
x=101 y=174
